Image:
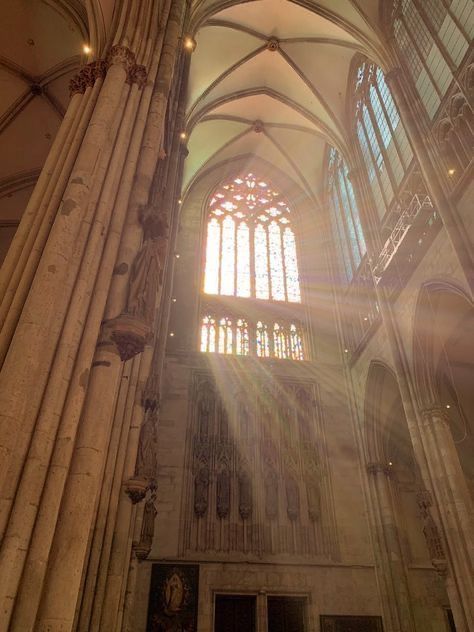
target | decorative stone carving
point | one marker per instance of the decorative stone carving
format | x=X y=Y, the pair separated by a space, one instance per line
x=271 y=493
x=77 y=85
x=223 y=493
x=137 y=74
x=273 y=44
x=132 y=329
x=129 y=336
x=146 y=273
x=205 y=408
x=201 y=491
x=136 y=489
x=245 y=495
x=121 y=55
x=143 y=548
x=378 y=468
x=151 y=392
x=292 y=498
x=431 y=533
x=146 y=465
x=87 y=76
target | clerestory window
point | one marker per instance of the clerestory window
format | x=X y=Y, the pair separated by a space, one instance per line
x=251 y=260
x=251 y=249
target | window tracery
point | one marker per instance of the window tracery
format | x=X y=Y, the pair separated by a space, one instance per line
x=251 y=253
x=251 y=248
x=386 y=151
x=433 y=37
x=283 y=340
x=347 y=228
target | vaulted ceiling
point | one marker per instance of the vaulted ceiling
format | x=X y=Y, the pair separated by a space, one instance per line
x=40 y=49
x=270 y=78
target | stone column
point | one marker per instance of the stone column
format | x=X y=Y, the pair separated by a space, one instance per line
x=430 y=169
x=454 y=504
x=394 y=568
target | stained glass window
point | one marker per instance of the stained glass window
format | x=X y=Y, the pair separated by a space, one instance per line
x=263 y=349
x=281 y=339
x=433 y=38
x=208 y=334
x=382 y=137
x=251 y=247
x=347 y=228
x=242 y=338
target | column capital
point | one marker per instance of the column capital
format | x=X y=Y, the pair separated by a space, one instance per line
x=122 y=56
x=378 y=468
x=137 y=74
x=434 y=413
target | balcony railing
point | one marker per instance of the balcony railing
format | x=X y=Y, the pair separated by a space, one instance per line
x=419 y=204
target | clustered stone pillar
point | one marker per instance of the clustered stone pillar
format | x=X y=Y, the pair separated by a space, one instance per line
x=392 y=564
x=57 y=399
x=454 y=504
x=458 y=576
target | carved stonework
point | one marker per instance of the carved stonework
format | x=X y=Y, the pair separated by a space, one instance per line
x=133 y=328
x=223 y=493
x=271 y=493
x=136 y=489
x=86 y=77
x=137 y=74
x=77 y=85
x=378 y=468
x=292 y=498
x=201 y=491
x=129 y=336
x=252 y=454
x=146 y=465
x=121 y=55
x=143 y=547
x=431 y=532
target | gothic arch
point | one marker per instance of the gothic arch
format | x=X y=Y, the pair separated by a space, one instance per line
x=441 y=309
x=381 y=395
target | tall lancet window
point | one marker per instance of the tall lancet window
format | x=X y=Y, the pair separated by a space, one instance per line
x=347 y=228
x=432 y=37
x=384 y=143
x=251 y=247
x=252 y=261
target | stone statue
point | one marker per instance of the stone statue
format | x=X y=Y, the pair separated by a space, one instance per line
x=223 y=493
x=147 y=270
x=313 y=494
x=201 y=486
x=146 y=465
x=148 y=524
x=271 y=494
x=245 y=496
x=292 y=498
x=206 y=403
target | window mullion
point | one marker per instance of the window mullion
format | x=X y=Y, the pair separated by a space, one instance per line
x=283 y=262
x=434 y=35
x=374 y=164
x=382 y=148
x=421 y=57
x=389 y=123
x=456 y=21
x=352 y=212
x=221 y=252
x=253 y=291
x=344 y=222
x=270 y=279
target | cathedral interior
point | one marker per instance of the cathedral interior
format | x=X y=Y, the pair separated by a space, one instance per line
x=237 y=318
